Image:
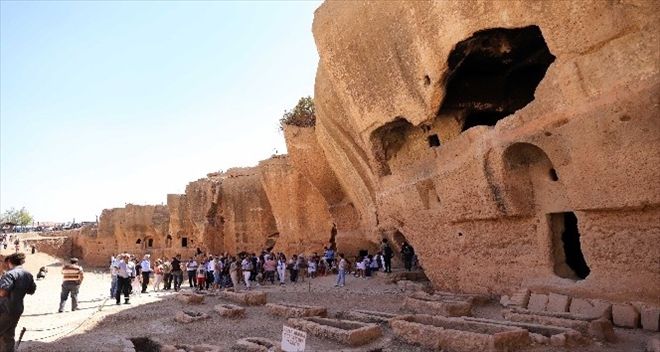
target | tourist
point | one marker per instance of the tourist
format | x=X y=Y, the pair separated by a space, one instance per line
x=158 y=274
x=72 y=279
x=233 y=272
x=217 y=272
x=294 y=268
x=329 y=256
x=210 y=268
x=302 y=267
x=246 y=268
x=123 y=278
x=134 y=274
x=322 y=267
x=387 y=255
x=375 y=263
x=177 y=273
x=359 y=265
x=270 y=265
x=113 y=276
x=145 y=269
x=408 y=254
x=311 y=267
x=341 y=271
x=15 y=283
x=366 y=263
x=167 y=274
x=191 y=269
x=201 y=276
x=281 y=268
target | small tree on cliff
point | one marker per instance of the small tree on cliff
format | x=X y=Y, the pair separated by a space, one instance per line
x=302 y=115
x=19 y=217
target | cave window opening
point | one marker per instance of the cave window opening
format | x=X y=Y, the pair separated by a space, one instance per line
x=569 y=254
x=494 y=73
x=333 y=238
x=138 y=241
x=553 y=175
x=434 y=141
x=150 y=242
x=168 y=241
x=184 y=242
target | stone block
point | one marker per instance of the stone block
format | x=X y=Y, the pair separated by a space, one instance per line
x=230 y=310
x=290 y=310
x=625 y=316
x=458 y=334
x=601 y=329
x=190 y=298
x=558 y=303
x=186 y=317
x=591 y=307
x=539 y=339
x=574 y=336
x=257 y=344
x=249 y=298
x=537 y=302
x=579 y=325
x=505 y=301
x=520 y=298
x=558 y=340
x=650 y=318
x=349 y=332
x=653 y=344
x=367 y=316
x=444 y=308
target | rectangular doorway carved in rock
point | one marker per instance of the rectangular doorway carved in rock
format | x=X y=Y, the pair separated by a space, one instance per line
x=567 y=253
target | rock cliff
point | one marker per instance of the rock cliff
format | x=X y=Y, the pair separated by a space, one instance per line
x=509 y=142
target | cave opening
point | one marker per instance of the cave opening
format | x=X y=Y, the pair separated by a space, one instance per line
x=184 y=242
x=568 y=250
x=138 y=241
x=150 y=242
x=434 y=141
x=553 y=175
x=494 y=73
x=333 y=237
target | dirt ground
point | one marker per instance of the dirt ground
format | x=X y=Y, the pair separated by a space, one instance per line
x=100 y=325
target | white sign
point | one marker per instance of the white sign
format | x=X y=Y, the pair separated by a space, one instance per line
x=293 y=340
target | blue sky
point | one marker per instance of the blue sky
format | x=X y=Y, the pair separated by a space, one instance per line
x=108 y=103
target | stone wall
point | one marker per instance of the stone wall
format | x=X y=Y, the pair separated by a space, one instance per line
x=471 y=128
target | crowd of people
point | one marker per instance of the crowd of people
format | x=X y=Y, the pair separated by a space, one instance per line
x=203 y=272
x=131 y=275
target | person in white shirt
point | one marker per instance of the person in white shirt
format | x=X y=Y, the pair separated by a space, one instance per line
x=191 y=268
x=145 y=269
x=246 y=267
x=341 y=271
x=123 y=278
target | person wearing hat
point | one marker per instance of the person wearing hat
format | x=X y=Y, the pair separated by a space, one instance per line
x=72 y=278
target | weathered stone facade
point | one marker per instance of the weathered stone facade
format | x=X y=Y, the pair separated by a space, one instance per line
x=483 y=132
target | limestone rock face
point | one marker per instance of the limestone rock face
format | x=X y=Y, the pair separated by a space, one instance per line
x=248 y=220
x=303 y=221
x=134 y=228
x=489 y=134
x=195 y=216
x=308 y=158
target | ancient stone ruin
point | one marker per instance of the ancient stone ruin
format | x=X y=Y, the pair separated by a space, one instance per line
x=513 y=144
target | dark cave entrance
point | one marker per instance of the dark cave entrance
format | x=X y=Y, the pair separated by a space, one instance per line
x=495 y=72
x=568 y=256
